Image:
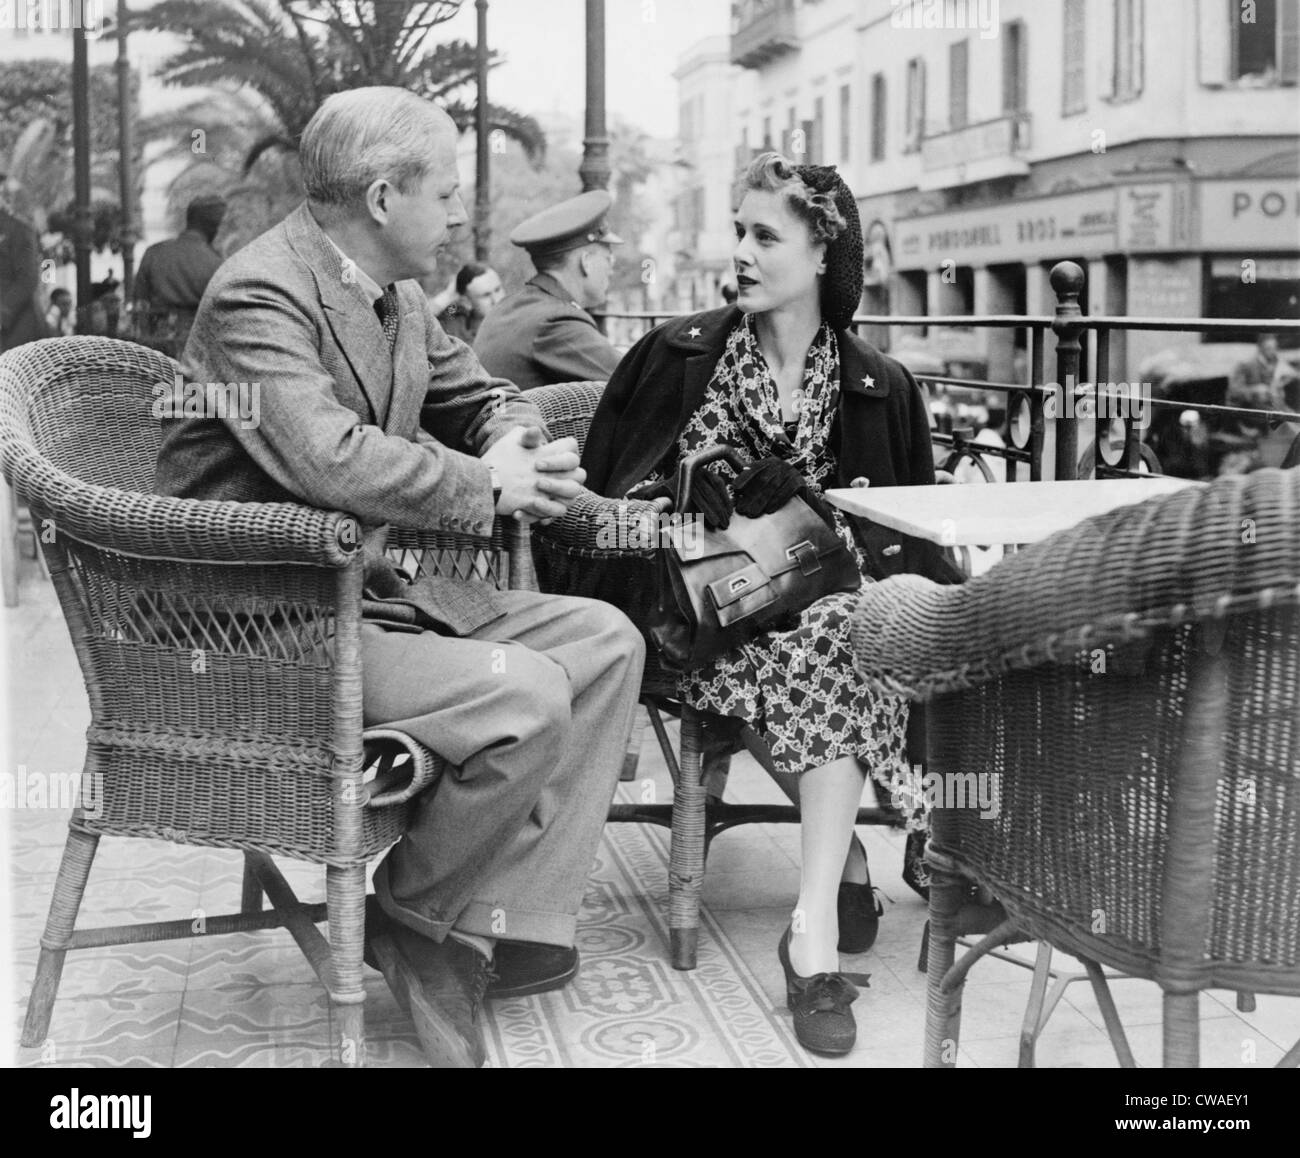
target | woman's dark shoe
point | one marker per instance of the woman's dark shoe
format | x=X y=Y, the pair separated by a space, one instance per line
x=823 y=1021
x=859 y=911
x=915 y=873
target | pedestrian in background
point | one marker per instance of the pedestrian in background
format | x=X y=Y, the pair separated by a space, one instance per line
x=478 y=290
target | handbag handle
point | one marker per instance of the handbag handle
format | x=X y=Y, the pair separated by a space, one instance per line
x=688 y=466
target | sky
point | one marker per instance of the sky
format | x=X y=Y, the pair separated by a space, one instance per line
x=544 y=43
x=544 y=46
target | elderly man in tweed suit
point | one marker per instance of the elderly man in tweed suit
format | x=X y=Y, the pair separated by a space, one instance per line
x=368 y=406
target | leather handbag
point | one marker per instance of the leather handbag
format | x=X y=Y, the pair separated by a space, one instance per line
x=717 y=590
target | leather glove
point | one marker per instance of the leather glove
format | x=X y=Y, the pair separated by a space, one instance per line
x=710 y=496
x=766 y=486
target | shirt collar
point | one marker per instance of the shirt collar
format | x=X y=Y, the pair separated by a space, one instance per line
x=367 y=284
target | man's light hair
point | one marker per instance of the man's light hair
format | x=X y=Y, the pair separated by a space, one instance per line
x=360 y=136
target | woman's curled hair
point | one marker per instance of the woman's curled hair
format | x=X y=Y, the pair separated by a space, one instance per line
x=772 y=173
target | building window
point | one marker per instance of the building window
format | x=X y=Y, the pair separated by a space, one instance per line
x=1015 y=73
x=958 y=86
x=878 y=116
x=846 y=97
x=1264 y=42
x=1074 y=97
x=1128 y=49
x=915 y=105
x=767 y=134
x=816 y=145
x=787 y=136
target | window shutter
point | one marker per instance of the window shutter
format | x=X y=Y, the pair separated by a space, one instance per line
x=1288 y=41
x=1214 y=33
x=1106 y=22
x=1139 y=45
x=957 y=64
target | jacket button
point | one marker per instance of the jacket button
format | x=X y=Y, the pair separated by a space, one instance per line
x=892 y=550
x=860 y=481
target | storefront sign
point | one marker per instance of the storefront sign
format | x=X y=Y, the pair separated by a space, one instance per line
x=1263 y=213
x=1153 y=217
x=1246 y=269
x=1073 y=225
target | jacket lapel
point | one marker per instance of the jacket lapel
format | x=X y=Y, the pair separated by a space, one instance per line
x=352 y=318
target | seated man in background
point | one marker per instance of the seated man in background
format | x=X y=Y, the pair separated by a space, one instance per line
x=478 y=289
x=365 y=405
x=173 y=275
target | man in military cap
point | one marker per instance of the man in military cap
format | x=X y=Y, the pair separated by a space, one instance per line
x=543 y=333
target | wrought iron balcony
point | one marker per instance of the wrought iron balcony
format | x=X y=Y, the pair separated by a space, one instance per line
x=762 y=30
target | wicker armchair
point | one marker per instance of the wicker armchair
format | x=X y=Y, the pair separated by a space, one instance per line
x=1131 y=688
x=616 y=532
x=220 y=646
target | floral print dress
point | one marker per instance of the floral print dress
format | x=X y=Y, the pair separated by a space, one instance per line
x=797 y=688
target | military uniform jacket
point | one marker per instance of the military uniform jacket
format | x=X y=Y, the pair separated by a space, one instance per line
x=540 y=335
x=342 y=424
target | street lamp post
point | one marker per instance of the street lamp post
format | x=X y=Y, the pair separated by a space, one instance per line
x=594 y=170
x=482 y=176
x=126 y=157
x=81 y=226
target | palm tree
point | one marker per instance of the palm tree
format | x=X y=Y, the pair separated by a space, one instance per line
x=295 y=53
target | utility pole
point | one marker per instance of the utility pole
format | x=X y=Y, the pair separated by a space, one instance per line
x=482 y=175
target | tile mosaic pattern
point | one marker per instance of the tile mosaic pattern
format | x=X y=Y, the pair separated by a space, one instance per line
x=252 y=1000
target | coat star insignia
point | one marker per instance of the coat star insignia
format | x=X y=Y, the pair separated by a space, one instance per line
x=869 y=382
x=694 y=332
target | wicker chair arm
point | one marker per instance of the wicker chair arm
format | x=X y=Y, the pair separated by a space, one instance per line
x=185 y=529
x=1193 y=555
x=606 y=528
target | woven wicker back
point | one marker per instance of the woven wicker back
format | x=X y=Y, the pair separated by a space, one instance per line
x=224 y=707
x=567 y=408
x=1126 y=697
x=89 y=402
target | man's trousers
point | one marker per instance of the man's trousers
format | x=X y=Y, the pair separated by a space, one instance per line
x=532 y=712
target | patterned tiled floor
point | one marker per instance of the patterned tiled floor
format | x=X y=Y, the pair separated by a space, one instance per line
x=252 y=1000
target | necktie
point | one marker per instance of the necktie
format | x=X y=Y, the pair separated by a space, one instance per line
x=386 y=308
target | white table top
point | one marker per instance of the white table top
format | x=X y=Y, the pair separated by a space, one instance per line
x=997 y=513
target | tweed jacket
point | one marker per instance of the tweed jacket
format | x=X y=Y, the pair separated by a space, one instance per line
x=540 y=335
x=880 y=435
x=339 y=422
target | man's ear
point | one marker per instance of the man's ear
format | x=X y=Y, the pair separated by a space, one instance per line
x=379 y=197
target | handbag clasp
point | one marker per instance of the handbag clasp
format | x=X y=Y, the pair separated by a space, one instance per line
x=805 y=554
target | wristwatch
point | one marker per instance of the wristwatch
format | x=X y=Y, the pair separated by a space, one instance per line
x=495 y=476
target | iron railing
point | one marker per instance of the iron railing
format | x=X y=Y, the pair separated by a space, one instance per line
x=1040 y=405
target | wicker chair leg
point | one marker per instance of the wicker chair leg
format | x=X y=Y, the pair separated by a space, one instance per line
x=943 y=1010
x=1182 y=1031
x=345 y=893
x=686 y=858
x=1109 y=1014
x=69 y=888
x=632 y=757
x=1033 y=1022
x=250 y=899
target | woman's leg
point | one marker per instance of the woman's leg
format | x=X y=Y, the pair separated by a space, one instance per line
x=855 y=861
x=829 y=798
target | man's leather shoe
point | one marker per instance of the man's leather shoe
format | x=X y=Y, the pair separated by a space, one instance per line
x=523 y=967
x=441 y=986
